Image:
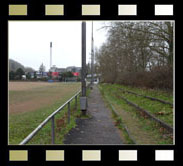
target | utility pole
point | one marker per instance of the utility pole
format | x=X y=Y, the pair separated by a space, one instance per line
x=83 y=98
x=92 y=56
x=50 y=55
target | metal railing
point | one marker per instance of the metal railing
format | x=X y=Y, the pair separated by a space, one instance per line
x=52 y=118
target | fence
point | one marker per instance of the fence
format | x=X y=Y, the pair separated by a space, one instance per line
x=52 y=118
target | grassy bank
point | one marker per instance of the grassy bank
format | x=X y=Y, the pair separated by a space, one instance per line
x=156 y=93
x=143 y=130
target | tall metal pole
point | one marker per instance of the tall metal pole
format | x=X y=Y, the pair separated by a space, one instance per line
x=92 y=56
x=50 y=54
x=83 y=99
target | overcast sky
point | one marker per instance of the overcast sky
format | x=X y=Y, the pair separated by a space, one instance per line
x=29 y=42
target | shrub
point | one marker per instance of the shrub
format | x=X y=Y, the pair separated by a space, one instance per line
x=158 y=77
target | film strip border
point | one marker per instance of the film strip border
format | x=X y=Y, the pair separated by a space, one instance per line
x=90 y=155
x=95 y=10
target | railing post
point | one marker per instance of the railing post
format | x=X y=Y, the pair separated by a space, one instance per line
x=53 y=130
x=68 y=112
x=76 y=103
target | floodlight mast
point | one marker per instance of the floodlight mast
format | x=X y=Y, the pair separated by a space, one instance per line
x=92 y=56
x=83 y=98
x=50 y=55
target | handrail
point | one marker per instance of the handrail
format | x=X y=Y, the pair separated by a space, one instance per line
x=40 y=126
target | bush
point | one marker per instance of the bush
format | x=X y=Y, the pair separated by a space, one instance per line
x=158 y=77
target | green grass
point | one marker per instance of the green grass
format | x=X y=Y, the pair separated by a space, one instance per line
x=20 y=125
x=23 y=123
x=162 y=111
x=61 y=129
x=120 y=124
x=46 y=100
x=149 y=127
x=156 y=93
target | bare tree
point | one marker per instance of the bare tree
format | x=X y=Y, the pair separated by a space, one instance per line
x=134 y=47
x=42 y=68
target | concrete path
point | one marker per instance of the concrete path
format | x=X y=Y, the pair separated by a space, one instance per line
x=99 y=129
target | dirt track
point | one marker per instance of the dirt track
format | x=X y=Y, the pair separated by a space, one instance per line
x=31 y=96
x=17 y=86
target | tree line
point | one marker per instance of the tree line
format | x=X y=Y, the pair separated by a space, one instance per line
x=137 y=54
x=18 y=75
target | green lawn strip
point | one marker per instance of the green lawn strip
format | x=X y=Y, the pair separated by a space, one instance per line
x=120 y=124
x=22 y=124
x=162 y=111
x=88 y=91
x=62 y=127
x=156 y=93
x=153 y=133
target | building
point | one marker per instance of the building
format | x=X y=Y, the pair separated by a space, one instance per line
x=73 y=69
x=56 y=73
x=56 y=69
